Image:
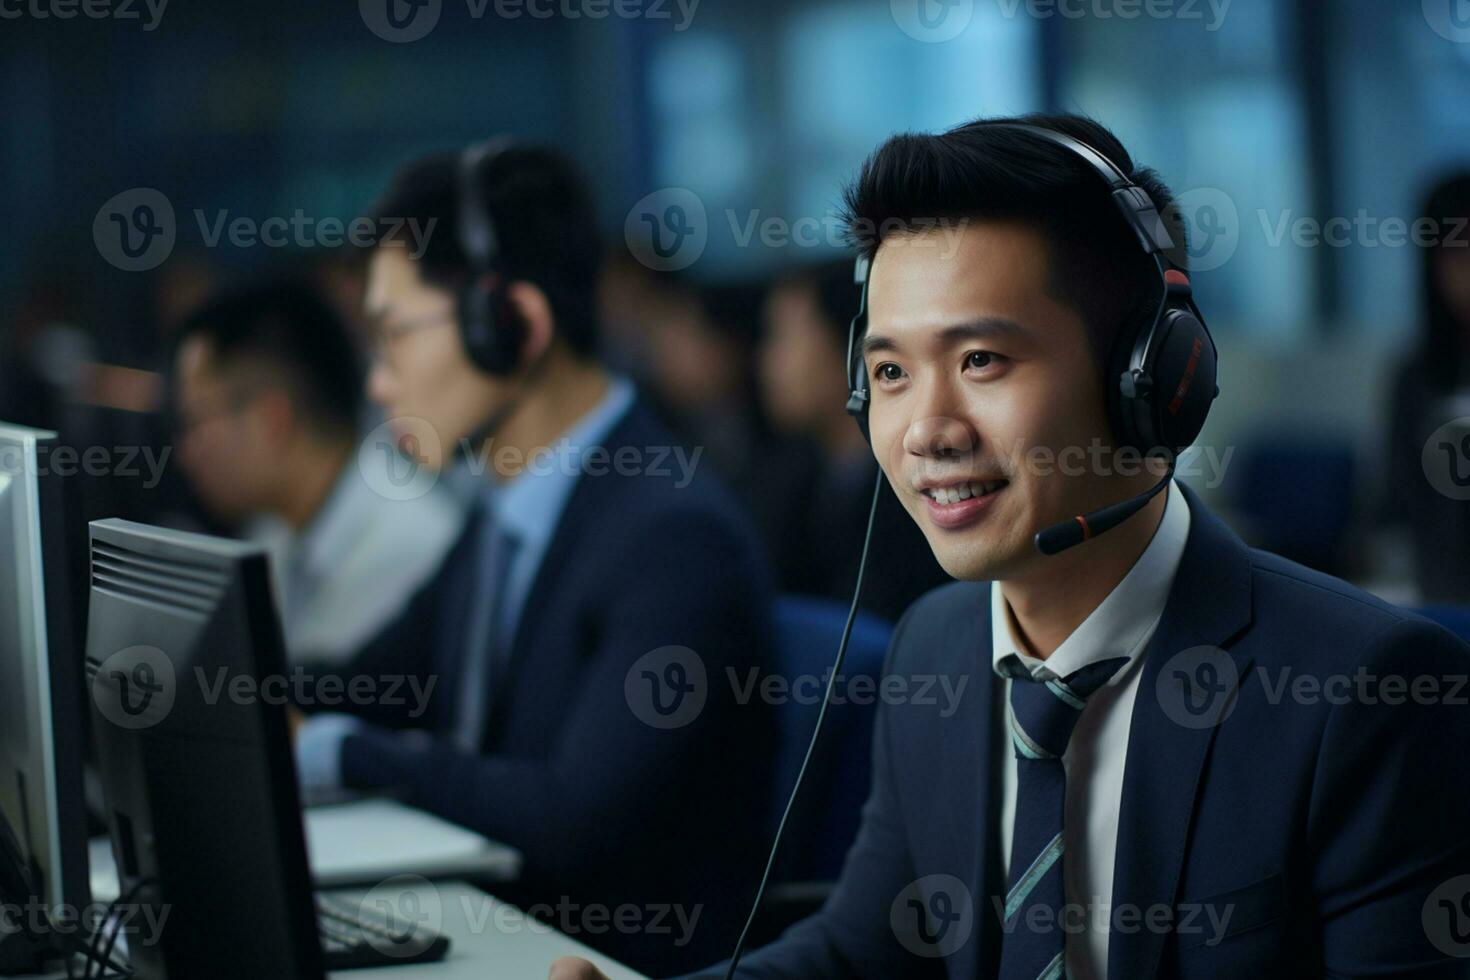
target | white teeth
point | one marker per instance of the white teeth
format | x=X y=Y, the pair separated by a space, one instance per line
x=964 y=491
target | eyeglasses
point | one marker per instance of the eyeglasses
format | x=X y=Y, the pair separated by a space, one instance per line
x=389 y=333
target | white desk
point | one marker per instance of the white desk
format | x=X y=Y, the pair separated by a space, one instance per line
x=365 y=842
x=490 y=939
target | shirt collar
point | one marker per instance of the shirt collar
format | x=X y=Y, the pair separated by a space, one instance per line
x=1122 y=621
x=529 y=505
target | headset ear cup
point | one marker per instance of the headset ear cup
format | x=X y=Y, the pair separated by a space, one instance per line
x=476 y=326
x=490 y=329
x=1184 y=371
x=1164 y=405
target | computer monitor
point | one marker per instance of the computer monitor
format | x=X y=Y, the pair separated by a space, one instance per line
x=41 y=691
x=195 y=755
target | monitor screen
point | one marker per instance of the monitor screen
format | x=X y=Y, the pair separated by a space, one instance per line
x=41 y=727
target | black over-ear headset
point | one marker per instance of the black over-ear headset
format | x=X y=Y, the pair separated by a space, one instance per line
x=1159 y=404
x=1167 y=378
x=490 y=326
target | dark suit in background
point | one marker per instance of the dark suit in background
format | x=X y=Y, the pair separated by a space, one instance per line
x=606 y=808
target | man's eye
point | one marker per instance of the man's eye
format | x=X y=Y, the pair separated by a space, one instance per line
x=979 y=359
x=888 y=371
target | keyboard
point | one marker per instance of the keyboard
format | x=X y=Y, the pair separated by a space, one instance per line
x=356 y=935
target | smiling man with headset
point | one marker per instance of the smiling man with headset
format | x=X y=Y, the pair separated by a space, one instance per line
x=590 y=564
x=1137 y=783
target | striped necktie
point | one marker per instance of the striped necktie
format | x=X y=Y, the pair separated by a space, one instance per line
x=1043 y=716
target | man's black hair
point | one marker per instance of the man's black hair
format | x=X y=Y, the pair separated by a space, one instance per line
x=285 y=328
x=544 y=220
x=981 y=171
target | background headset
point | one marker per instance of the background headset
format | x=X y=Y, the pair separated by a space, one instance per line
x=1159 y=403
x=490 y=327
x=1165 y=367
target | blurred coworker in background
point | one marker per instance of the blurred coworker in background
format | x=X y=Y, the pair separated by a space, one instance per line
x=268 y=389
x=815 y=508
x=701 y=357
x=1433 y=388
x=596 y=565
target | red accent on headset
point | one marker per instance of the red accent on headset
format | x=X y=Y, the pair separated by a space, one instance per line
x=1175 y=278
x=1086 y=531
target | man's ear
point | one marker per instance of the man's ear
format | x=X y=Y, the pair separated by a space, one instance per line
x=535 y=310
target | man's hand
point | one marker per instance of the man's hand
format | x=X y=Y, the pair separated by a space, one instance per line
x=571 y=968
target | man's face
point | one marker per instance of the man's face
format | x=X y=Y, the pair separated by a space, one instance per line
x=228 y=445
x=423 y=379
x=981 y=381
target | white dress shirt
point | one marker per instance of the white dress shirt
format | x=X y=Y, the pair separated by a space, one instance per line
x=1121 y=625
x=347 y=573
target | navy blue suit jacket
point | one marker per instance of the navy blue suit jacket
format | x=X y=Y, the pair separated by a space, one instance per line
x=607 y=810
x=1322 y=828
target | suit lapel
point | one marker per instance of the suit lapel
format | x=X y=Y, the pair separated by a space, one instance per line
x=586 y=502
x=1210 y=602
x=969 y=759
x=584 y=505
